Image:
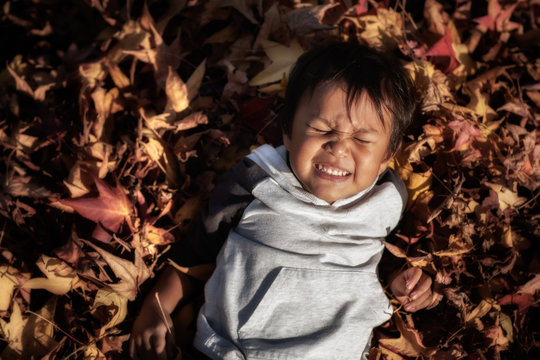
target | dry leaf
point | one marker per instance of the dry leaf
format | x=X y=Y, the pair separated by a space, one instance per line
x=131 y=274
x=177 y=91
x=13 y=333
x=113 y=304
x=282 y=57
x=111 y=208
x=60 y=277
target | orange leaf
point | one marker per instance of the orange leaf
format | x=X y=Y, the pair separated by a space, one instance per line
x=110 y=209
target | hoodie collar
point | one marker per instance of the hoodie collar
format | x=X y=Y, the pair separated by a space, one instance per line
x=274 y=162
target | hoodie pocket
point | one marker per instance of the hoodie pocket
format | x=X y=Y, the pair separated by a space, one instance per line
x=314 y=314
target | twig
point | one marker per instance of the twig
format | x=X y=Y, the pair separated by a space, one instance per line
x=57 y=327
x=163 y=313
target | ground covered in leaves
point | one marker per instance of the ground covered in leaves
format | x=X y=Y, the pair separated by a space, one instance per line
x=116 y=117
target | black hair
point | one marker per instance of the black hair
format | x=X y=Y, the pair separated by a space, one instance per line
x=360 y=68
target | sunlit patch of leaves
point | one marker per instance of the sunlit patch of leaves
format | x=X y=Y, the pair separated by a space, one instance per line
x=115 y=120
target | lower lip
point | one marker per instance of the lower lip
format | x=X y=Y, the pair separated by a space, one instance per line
x=330 y=177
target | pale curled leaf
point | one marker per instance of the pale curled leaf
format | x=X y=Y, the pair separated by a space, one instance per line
x=131 y=274
x=60 y=277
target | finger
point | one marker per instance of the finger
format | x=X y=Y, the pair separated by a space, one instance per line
x=158 y=345
x=146 y=350
x=420 y=303
x=435 y=299
x=133 y=349
x=422 y=286
x=412 y=276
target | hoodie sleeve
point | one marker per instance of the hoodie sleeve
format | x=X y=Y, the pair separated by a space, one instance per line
x=223 y=211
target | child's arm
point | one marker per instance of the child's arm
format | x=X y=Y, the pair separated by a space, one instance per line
x=412 y=287
x=152 y=335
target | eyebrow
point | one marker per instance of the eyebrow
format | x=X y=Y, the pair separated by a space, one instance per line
x=367 y=131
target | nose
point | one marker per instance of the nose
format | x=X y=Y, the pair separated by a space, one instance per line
x=338 y=147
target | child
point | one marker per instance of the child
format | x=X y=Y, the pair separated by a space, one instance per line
x=297 y=230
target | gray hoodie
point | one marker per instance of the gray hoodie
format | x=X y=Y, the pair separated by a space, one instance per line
x=296 y=277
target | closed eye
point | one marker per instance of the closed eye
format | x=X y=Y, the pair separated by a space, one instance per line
x=320 y=131
x=361 y=141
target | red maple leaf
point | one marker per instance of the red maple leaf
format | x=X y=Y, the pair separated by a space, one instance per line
x=361 y=7
x=443 y=47
x=498 y=19
x=110 y=209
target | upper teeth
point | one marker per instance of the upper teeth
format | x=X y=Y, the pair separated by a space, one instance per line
x=334 y=172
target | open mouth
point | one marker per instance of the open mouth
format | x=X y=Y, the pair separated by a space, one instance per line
x=332 y=171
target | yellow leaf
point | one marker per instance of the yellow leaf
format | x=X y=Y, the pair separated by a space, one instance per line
x=480 y=104
x=7 y=282
x=60 y=277
x=177 y=91
x=418 y=183
x=283 y=58
x=467 y=65
x=113 y=301
x=13 y=332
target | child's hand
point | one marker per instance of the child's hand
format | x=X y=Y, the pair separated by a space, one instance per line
x=412 y=287
x=152 y=334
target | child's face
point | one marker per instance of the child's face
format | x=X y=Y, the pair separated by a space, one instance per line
x=333 y=155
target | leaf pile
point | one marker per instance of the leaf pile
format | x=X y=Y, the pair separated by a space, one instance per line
x=117 y=117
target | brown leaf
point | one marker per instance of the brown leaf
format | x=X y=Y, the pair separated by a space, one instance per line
x=308 y=18
x=409 y=342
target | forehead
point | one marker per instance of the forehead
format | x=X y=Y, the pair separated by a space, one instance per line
x=339 y=106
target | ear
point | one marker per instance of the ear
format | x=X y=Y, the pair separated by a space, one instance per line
x=384 y=165
x=389 y=157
